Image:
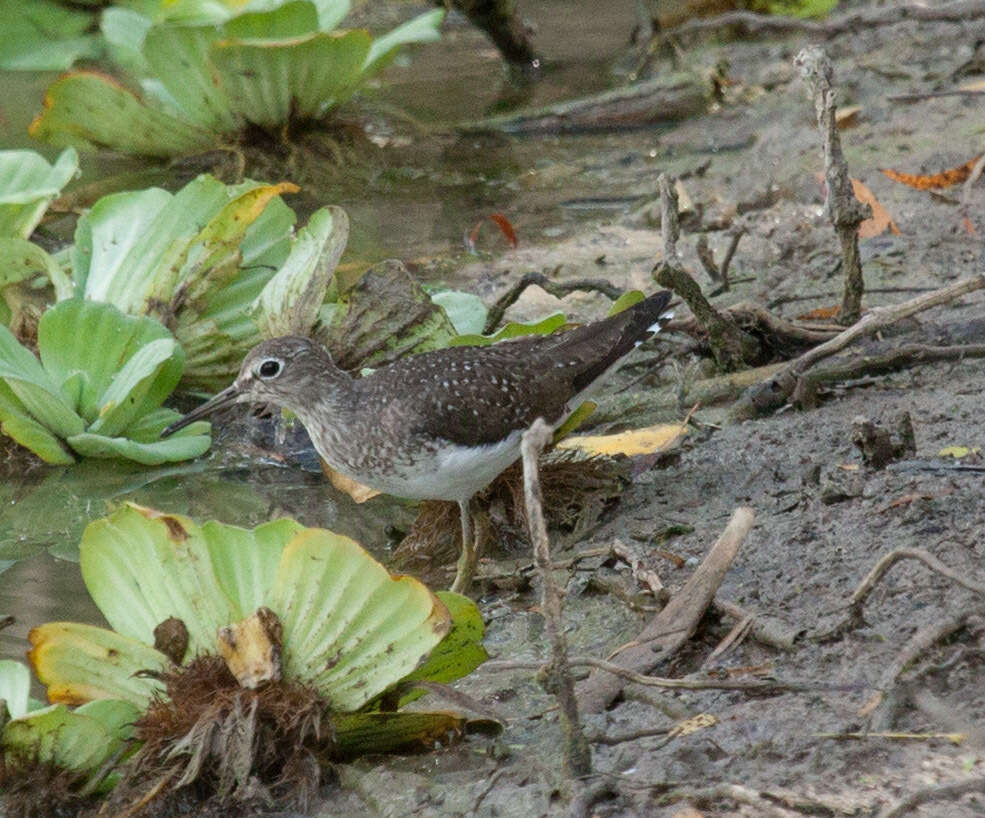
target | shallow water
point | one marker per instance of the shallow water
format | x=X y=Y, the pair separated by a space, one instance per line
x=419 y=203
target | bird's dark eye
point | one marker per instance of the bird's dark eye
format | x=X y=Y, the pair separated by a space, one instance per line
x=269 y=369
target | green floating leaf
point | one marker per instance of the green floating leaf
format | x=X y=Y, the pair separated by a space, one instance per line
x=467 y=312
x=290 y=302
x=80 y=663
x=15 y=687
x=459 y=653
x=214 y=68
x=21 y=260
x=268 y=81
x=90 y=111
x=90 y=395
x=350 y=629
x=79 y=741
x=34 y=389
x=28 y=184
x=625 y=301
x=245 y=562
x=514 y=330
x=357 y=734
x=42 y=35
x=142 y=567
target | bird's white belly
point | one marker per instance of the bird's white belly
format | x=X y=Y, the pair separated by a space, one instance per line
x=449 y=473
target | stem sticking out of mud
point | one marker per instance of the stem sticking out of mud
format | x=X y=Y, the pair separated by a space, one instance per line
x=733 y=349
x=557 y=677
x=845 y=211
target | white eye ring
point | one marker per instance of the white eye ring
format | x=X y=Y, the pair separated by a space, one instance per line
x=269 y=368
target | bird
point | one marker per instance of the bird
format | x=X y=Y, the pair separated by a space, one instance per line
x=443 y=424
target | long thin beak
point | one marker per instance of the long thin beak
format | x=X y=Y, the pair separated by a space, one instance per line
x=224 y=398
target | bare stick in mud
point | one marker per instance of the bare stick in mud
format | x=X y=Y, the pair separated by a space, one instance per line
x=942 y=792
x=845 y=211
x=675 y=623
x=558 y=289
x=779 y=388
x=732 y=348
x=557 y=678
x=882 y=707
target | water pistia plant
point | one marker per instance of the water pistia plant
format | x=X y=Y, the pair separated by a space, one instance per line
x=55 y=756
x=97 y=389
x=255 y=657
x=220 y=265
x=204 y=78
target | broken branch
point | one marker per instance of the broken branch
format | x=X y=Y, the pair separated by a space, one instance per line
x=845 y=211
x=557 y=680
x=676 y=622
x=775 y=391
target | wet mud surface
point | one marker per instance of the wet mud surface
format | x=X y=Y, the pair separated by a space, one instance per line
x=823 y=517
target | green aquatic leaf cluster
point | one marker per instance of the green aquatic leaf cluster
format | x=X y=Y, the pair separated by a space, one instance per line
x=207 y=75
x=97 y=389
x=220 y=265
x=351 y=632
x=79 y=741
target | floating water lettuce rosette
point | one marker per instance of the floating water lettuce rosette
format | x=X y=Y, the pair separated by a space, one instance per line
x=293 y=636
x=204 y=77
x=97 y=388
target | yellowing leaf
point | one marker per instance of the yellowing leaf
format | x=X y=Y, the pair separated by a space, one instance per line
x=356 y=490
x=880 y=216
x=847 y=117
x=956 y=452
x=647 y=440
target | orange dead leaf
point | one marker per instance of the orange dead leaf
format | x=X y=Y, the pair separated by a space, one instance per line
x=505 y=228
x=356 y=490
x=968 y=226
x=820 y=314
x=504 y=225
x=928 y=181
x=880 y=216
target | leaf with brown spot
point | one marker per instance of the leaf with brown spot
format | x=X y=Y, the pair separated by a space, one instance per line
x=880 y=216
x=928 y=181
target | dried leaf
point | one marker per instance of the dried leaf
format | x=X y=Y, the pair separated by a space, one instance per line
x=847 y=117
x=692 y=725
x=927 y=181
x=957 y=452
x=356 y=490
x=820 y=314
x=504 y=225
x=647 y=440
x=880 y=216
x=505 y=228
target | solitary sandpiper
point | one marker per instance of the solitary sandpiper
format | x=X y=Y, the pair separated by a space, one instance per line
x=441 y=425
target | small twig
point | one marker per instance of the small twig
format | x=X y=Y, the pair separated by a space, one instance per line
x=879 y=570
x=558 y=680
x=954 y=738
x=856 y=605
x=937 y=793
x=611 y=739
x=777 y=389
x=845 y=211
x=957 y=92
x=732 y=348
x=757 y=685
x=764 y=629
x=558 y=289
x=805 y=394
x=882 y=705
